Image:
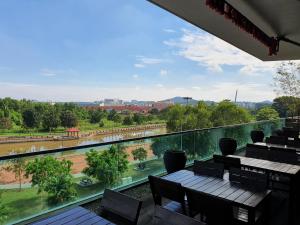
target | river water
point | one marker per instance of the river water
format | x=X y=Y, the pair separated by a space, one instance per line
x=14 y=148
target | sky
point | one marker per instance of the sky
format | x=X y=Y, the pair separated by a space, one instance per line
x=75 y=50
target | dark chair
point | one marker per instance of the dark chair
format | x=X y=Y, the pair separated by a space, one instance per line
x=278 y=140
x=208 y=169
x=257 y=136
x=216 y=211
x=257 y=152
x=228 y=162
x=249 y=179
x=290 y=132
x=253 y=181
x=120 y=208
x=170 y=190
x=283 y=155
x=164 y=216
x=294 y=143
x=227 y=146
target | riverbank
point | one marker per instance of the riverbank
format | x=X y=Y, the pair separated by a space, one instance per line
x=89 y=134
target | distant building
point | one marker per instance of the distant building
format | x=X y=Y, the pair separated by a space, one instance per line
x=112 y=102
x=162 y=104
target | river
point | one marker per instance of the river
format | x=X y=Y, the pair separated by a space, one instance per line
x=13 y=148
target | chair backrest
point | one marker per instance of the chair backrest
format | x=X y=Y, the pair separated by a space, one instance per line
x=283 y=155
x=208 y=169
x=119 y=206
x=227 y=146
x=162 y=188
x=228 y=162
x=294 y=143
x=163 y=216
x=257 y=136
x=216 y=210
x=257 y=151
x=279 y=140
x=249 y=179
x=291 y=132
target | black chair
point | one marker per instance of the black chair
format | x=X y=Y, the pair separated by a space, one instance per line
x=253 y=181
x=294 y=143
x=278 y=140
x=170 y=190
x=120 y=208
x=283 y=155
x=228 y=162
x=216 y=211
x=290 y=132
x=227 y=146
x=249 y=179
x=257 y=152
x=208 y=169
x=257 y=136
x=164 y=216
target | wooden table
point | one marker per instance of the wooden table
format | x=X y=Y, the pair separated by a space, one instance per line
x=74 y=216
x=222 y=188
x=288 y=170
x=277 y=146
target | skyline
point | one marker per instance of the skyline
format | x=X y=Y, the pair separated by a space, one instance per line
x=80 y=51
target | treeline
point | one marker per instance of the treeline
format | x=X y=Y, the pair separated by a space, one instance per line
x=180 y=117
x=25 y=114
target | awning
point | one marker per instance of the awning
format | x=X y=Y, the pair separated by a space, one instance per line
x=275 y=18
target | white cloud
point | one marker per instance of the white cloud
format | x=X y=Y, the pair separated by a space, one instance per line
x=196 y=88
x=143 y=61
x=163 y=72
x=216 y=92
x=159 y=85
x=135 y=76
x=214 y=53
x=138 y=65
x=169 y=31
x=48 y=73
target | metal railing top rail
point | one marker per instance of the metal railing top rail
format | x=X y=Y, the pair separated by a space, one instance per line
x=58 y=150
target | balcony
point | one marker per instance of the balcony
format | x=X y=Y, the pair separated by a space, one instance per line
x=26 y=198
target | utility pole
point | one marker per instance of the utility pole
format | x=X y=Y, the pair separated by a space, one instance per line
x=236 y=93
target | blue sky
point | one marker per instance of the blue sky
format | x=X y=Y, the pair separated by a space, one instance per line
x=74 y=50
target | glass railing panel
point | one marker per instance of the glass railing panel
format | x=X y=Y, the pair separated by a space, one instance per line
x=92 y=169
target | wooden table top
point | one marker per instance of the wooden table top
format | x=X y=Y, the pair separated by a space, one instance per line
x=74 y=216
x=276 y=146
x=284 y=168
x=221 y=188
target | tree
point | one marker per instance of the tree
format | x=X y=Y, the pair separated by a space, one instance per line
x=30 y=118
x=128 y=120
x=267 y=113
x=175 y=116
x=52 y=176
x=141 y=155
x=17 y=166
x=286 y=105
x=138 y=118
x=111 y=115
x=96 y=116
x=287 y=79
x=228 y=113
x=68 y=119
x=51 y=119
x=107 y=166
x=5 y=123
